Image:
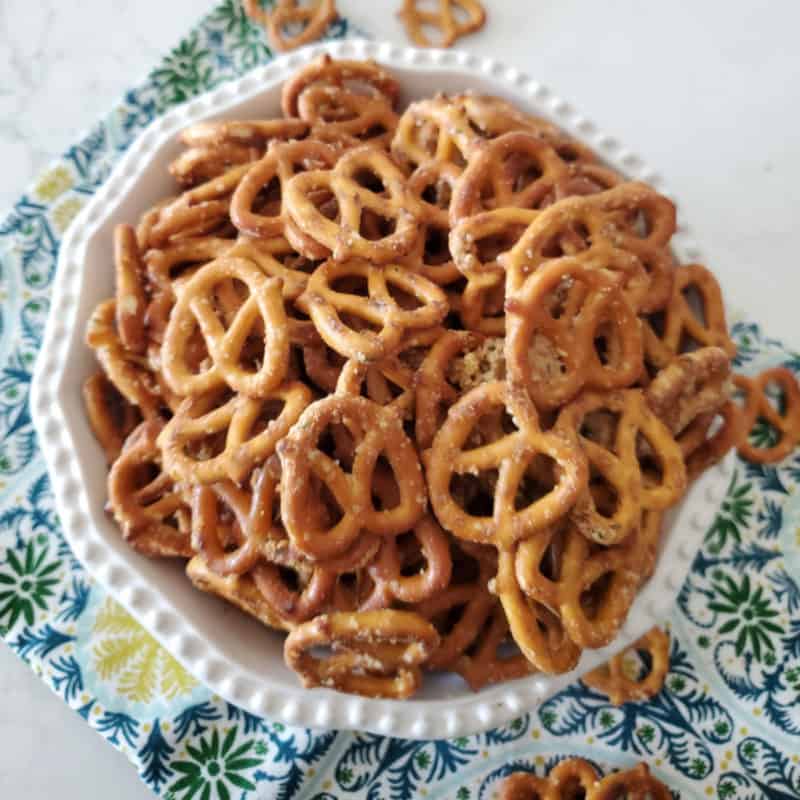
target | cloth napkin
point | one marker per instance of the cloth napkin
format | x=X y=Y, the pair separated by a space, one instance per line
x=727 y=723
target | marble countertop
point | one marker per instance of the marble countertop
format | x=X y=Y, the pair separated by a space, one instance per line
x=706 y=93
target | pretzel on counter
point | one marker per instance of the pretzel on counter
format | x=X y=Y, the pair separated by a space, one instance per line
x=444 y=19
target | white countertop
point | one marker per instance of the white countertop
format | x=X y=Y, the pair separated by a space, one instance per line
x=705 y=92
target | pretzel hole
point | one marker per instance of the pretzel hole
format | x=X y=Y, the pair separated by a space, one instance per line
x=404 y=298
x=327 y=513
x=536 y=482
x=474 y=493
x=268 y=199
x=595 y=596
x=351 y=284
x=437 y=246
x=289 y=578
x=600 y=426
x=523 y=170
x=604 y=494
x=368 y=179
x=386 y=492
x=438 y=193
x=573 y=789
x=325 y=202
x=568 y=151
x=338 y=442
x=412 y=560
x=375 y=226
x=649 y=460
x=488 y=248
x=206 y=447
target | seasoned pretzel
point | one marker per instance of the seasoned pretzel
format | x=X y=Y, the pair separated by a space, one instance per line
x=591 y=617
x=287 y=14
x=225 y=340
x=111 y=416
x=215 y=436
x=374 y=653
x=130 y=295
x=510 y=454
x=375 y=431
x=343 y=236
x=631 y=218
x=330 y=310
x=179 y=260
x=199 y=164
x=258 y=133
x=149 y=509
x=444 y=19
x=283 y=161
x=785 y=420
x=684 y=322
x=125 y=370
x=539 y=633
x=554 y=322
x=635 y=784
x=364 y=76
x=569 y=779
x=615 y=677
x=612 y=429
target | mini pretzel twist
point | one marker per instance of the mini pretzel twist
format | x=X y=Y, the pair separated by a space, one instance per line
x=615 y=679
x=213 y=436
x=375 y=431
x=511 y=454
x=683 y=324
x=785 y=422
x=198 y=305
x=374 y=653
x=331 y=310
x=612 y=429
x=444 y=19
x=636 y=784
x=150 y=511
x=314 y=20
x=343 y=236
x=553 y=324
x=131 y=299
x=111 y=416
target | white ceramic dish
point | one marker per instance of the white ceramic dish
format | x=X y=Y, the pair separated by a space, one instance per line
x=232 y=654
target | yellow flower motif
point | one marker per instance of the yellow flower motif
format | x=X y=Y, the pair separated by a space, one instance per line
x=53 y=183
x=127 y=656
x=66 y=212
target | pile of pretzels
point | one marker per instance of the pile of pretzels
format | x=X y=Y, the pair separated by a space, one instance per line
x=415 y=386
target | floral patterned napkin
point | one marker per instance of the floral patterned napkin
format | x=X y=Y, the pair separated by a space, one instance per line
x=727 y=723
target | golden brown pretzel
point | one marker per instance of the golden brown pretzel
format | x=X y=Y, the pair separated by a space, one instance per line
x=615 y=679
x=785 y=422
x=612 y=428
x=364 y=180
x=374 y=653
x=226 y=340
x=376 y=431
x=215 y=436
x=554 y=322
x=149 y=509
x=634 y=784
x=198 y=164
x=570 y=779
x=444 y=19
x=287 y=14
x=385 y=320
x=111 y=417
x=256 y=133
x=682 y=324
x=131 y=299
x=283 y=161
x=510 y=454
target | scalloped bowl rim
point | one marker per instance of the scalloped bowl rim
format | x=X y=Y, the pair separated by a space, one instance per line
x=137 y=585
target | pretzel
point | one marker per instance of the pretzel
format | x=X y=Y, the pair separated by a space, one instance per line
x=551 y=343
x=785 y=421
x=214 y=436
x=287 y=14
x=590 y=617
x=375 y=431
x=636 y=784
x=444 y=19
x=351 y=118
x=330 y=309
x=345 y=182
x=124 y=369
x=226 y=340
x=511 y=454
x=199 y=164
x=111 y=416
x=615 y=679
x=365 y=76
x=130 y=295
x=181 y=259
x=282 y=162
x=622 y=418
x=631 y=218
x=681 y=324
x=150 y=511
x=323 y=365
x=257 y=133
x=374 y=653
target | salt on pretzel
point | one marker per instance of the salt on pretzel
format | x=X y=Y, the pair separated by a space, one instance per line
x=445 y=19
x=111 y=417
x=373 y=653
x=362 y=76
x=149 y=510
x=225 y=340
x=217 y=436
x=693 y=316
x=375 y=431
x=364 y=180
x=511 y=454
x=130 y=294
x=784 y=420
x=287 y=15
x=385 y=319
x=619 y=680
x=554 y=322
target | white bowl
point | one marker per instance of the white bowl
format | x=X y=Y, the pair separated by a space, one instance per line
x=234 y=655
